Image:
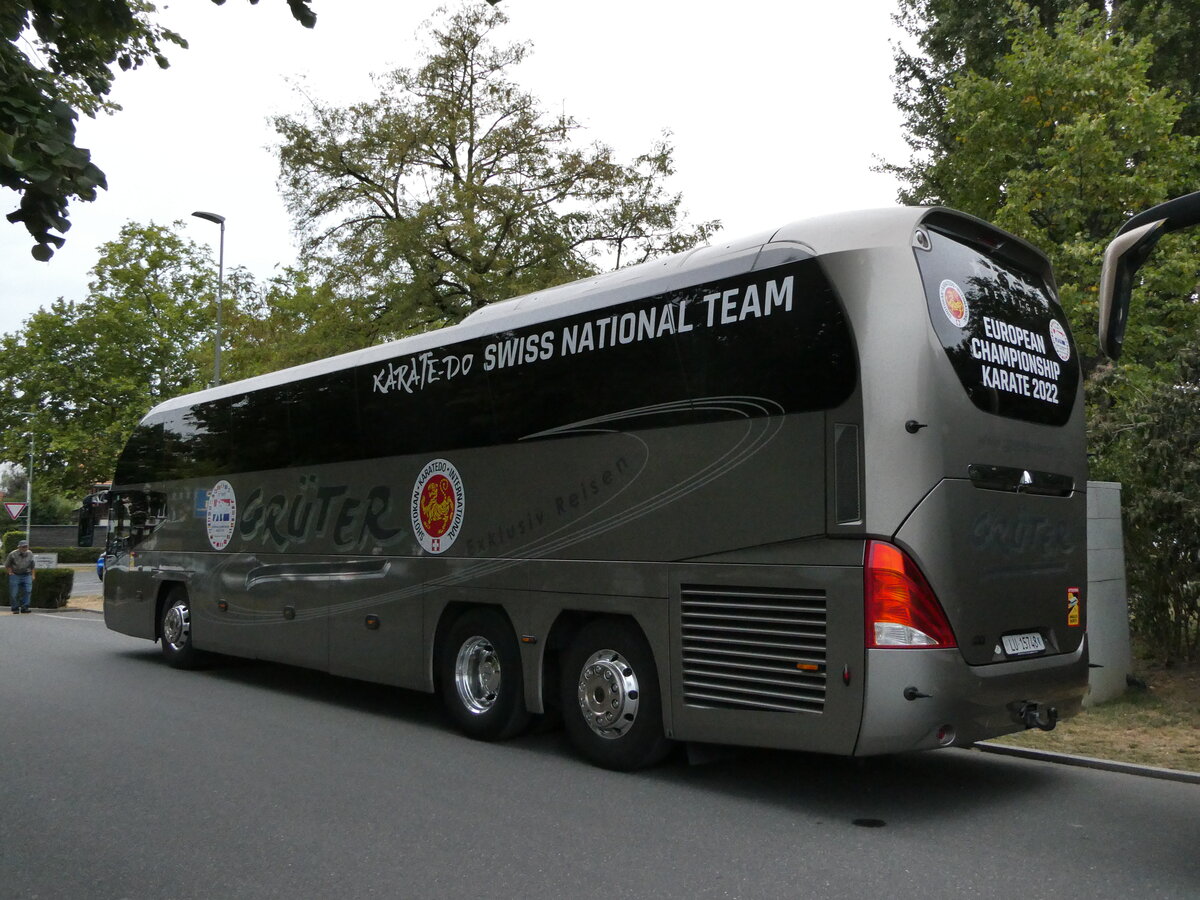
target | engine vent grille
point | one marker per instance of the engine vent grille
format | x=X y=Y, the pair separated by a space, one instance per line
x=753 y=648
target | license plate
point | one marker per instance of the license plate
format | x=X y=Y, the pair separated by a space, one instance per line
x=1023 y=644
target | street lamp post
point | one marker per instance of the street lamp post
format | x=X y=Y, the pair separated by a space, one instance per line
x=29 y=495
x=29 y=482
x=220 y=220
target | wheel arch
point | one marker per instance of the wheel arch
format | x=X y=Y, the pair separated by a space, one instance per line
x=165 y=588
x=608 y=727
x=567 y=624
x=450 y=614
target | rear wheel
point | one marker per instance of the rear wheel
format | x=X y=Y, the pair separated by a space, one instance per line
x=175 y=629
x=612 y=705
x=480 y=676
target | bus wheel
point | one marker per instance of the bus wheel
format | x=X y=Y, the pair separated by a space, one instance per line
x=480 y=677
x=612 y=706
x=176 y=630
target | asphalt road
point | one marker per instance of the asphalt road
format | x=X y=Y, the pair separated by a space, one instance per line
x=124 y=778
x=86 y=581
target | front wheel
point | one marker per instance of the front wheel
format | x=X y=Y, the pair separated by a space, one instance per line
x=479 y=676
x=175 y=630
x=612 y=705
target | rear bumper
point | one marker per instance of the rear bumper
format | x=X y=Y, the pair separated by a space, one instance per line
x=955 y=704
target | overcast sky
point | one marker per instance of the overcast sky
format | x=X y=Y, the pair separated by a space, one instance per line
x=778 y=112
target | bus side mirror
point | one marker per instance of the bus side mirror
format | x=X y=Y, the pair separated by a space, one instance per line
x=87 y=522
x=1124 y=256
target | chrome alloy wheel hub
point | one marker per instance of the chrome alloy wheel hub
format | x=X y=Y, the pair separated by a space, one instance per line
x=477 y=674
x=608 y=694
x=177 y=625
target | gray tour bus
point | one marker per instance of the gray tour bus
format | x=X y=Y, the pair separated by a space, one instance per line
x=823 y=488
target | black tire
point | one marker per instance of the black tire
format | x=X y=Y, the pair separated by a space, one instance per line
x=611 y=701
x=175 y=631
x=480 y=678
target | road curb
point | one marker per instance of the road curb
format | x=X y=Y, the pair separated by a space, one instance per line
x=1087 y=762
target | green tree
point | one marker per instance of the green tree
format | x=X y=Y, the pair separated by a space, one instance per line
x=56 y=61
x=88 y=370
x=1145 y=436
x=1063 y=142
x=453 y=189
x=1174 y=27
x=1058 y=131
x=285 y=321
x=947 y=39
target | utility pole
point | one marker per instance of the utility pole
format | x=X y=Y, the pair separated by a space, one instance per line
x=28 y=416
x=29 y=495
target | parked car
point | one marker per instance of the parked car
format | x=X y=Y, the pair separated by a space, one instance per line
x=100 y=567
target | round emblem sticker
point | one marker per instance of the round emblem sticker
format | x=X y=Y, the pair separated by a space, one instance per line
x=1058 y=337
x=220 y=514
x=954 y=304
x=438 y=506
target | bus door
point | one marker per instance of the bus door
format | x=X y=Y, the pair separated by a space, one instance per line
x=129 y=594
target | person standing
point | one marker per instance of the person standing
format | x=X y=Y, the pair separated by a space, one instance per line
x=20 y=568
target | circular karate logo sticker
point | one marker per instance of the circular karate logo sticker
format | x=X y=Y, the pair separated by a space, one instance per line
x=1058 y=337
x=220 y=514
x=954 y=304
x=438 y=506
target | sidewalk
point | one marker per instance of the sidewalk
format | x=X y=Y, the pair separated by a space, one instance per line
x=87 y=602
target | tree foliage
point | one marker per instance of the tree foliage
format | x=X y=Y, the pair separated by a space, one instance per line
x=285 y=321
x=89 y=370
x=453 y=188
x=951 y=38
x=1058 y=122
x=1060 y=142
x=56 y=61
x=1146 y=437
x=946 y=39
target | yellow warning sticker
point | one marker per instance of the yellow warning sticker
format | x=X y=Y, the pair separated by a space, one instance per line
x=1073 y=616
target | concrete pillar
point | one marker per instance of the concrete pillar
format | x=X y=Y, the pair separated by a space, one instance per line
x=1107 y=598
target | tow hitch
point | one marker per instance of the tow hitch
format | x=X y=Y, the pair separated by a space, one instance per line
x=1034 y=715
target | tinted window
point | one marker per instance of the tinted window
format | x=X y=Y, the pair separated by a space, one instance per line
x=322 y=419
x=763 y=343
x=1003 y=331
x=776 y=337
x=141 y=459
x=759 y=344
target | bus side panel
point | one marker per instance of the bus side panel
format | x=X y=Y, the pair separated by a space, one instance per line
x=283 y=602
x=255 y=606
x=558 y=587
x=768 y=656
x=656 y=494
x=214 y=578
x=376 y=622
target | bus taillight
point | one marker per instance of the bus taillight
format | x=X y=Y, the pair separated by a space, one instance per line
x=901 y=609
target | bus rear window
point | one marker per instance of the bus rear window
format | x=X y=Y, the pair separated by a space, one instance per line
x=1003 y=332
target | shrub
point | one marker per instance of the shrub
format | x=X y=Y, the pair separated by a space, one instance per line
x=1146 y=436
x=51 y=588
x=11 y=539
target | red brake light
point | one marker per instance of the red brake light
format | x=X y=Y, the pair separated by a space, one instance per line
x=901 y=608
